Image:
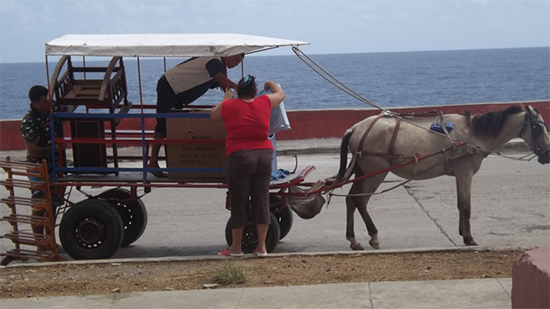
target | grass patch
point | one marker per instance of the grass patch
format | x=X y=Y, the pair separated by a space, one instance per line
x=230 y=274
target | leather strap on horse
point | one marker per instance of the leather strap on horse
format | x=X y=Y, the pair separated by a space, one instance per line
x=394 y=135
x=364 y=137
x=445 y=128
x=390 y=153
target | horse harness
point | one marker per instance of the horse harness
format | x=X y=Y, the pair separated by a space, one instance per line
x=455 y=153
x=536 y=129
x=390 y=155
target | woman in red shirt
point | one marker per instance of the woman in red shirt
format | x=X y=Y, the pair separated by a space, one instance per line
x=249 y=157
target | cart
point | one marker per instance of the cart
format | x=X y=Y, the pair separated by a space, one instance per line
x=93 y=116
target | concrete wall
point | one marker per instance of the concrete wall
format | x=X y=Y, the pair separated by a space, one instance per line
x=305 y=123
x=334 y=122
x=531 y=280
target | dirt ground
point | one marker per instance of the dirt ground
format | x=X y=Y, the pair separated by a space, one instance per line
x=110 y=277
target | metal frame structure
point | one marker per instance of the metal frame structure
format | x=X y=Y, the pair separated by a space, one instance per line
x=94 y=215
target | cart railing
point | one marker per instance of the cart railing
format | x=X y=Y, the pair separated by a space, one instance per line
x=140 y=139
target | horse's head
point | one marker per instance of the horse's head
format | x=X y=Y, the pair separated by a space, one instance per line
x=535 y=133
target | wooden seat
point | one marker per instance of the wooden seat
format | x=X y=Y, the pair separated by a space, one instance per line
x=108 y=92
x=73 y=86
x=84 y=89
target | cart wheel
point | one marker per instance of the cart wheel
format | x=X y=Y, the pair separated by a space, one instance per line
x=250 y=236
x=132 y=213
x=91 y=229
x=284 y=216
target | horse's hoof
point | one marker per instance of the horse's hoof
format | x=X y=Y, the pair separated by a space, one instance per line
x=375 y=245
x=470 y=242
x=356 y=246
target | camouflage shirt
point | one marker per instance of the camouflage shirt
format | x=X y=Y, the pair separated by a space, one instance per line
x=36 y=128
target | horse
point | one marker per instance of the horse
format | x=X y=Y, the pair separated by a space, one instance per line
x=411 y=150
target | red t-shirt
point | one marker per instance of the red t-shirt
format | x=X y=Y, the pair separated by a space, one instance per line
x=247 y=124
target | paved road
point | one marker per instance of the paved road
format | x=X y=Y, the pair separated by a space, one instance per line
x=511 y=207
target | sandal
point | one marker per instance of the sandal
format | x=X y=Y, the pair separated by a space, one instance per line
x=157 y=174
x=227 y=253
x=260 y=254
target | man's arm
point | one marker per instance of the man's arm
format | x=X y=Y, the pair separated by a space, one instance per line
x=224 y=81
x=36 y=151
x=277 y=96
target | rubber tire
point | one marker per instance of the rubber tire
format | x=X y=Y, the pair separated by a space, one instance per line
x=133 y=214
x=250 y=237
x=285 y=216
x=104 y=227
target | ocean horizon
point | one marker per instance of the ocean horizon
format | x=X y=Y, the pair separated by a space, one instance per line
x=390 y=79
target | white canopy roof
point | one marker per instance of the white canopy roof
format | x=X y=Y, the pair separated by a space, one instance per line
x=162 y=45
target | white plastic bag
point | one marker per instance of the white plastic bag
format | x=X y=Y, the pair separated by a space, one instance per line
x=279 y=120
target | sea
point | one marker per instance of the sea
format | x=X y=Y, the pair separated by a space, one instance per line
x=385 y=79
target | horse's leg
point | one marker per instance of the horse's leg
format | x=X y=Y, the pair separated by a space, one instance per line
x=367 y=185
x=350 y=211
x=371 y=184
x=464 y=193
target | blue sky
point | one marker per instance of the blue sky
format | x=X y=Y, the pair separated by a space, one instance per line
x=331 y=26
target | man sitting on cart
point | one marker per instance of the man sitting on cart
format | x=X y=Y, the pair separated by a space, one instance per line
x=185 y=83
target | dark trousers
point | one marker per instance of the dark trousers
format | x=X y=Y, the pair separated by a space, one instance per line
x=166 y=99
x=248 y=176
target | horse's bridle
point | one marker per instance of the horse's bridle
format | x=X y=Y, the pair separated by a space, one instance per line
x=533 y=122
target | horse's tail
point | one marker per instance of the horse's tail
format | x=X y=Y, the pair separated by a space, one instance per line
x=344 y=155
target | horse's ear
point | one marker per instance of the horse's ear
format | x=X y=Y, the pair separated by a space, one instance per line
x=531 y=110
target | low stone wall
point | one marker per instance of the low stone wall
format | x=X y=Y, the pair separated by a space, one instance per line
x=306 y=124
x=531 y=280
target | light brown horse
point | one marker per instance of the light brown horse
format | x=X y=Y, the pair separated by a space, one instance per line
x=380 y=142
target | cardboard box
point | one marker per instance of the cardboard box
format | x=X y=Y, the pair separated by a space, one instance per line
x=190 y=155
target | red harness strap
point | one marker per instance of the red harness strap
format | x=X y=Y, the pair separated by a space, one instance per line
x=390 y=153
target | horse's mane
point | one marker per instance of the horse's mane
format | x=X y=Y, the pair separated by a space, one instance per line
x=490 y=124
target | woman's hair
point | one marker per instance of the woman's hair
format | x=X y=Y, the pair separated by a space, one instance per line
x=247 y=87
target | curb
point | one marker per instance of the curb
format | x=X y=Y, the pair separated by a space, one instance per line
x=271 y=255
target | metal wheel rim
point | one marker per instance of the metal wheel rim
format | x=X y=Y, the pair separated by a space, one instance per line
x=90 y=232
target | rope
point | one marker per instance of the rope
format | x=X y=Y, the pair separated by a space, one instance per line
x=532 y=154
x=394 y=187
x=330 y=194
x=331 y=79
x=338 y=84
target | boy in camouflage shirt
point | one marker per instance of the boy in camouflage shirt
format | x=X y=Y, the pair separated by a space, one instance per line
x=36 y=131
